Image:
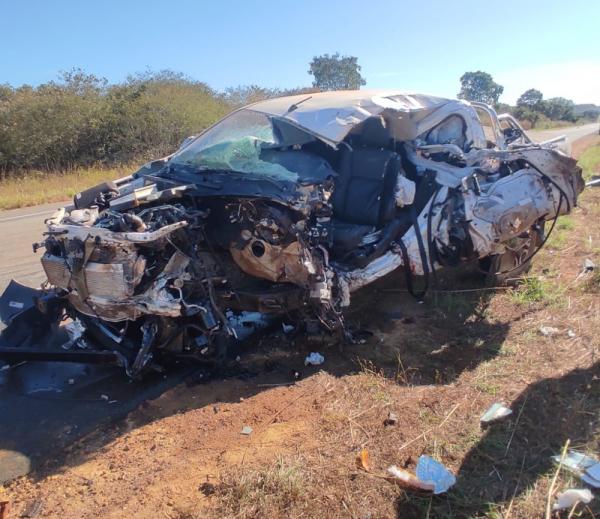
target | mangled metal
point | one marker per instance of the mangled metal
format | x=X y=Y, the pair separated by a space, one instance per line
x=287 y=207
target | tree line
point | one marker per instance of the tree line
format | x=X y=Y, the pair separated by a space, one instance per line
x=82 y=120
x=531 y=105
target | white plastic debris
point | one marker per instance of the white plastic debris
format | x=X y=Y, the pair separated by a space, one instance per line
x=572 y=496
x=549 y=331
x=408 y=480
x=75 y=331
x=495 y=412
x=433 y=472
x=246 y=430
x=583 y=466
x=588 y=265
x=571 y=334
x=392 y=419
x=314 y=359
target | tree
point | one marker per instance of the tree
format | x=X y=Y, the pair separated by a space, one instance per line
x=531 y=99
x=479 y=86
x=559 y=109
x=336 y=72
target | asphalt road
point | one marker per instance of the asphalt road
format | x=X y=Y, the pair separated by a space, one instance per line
x=19 y=229
x=572 y=132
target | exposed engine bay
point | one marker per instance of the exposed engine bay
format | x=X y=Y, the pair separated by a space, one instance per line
x=289 y=206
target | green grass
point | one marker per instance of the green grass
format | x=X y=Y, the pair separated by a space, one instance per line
x=565 y=223
x=40 y=188
x=534 y=289
x=590 y=161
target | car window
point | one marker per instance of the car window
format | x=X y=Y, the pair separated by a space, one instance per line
x=235 y=144
x=487 y=124
x=450 y=131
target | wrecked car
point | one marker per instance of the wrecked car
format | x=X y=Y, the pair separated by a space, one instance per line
x=287 y=207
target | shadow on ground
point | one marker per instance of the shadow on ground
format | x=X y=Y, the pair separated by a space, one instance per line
x=45 y=408
x=513 y=455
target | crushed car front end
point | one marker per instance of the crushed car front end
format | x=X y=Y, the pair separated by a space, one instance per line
x=286 y=208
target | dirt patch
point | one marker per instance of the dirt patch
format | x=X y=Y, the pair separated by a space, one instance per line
x=580 y=145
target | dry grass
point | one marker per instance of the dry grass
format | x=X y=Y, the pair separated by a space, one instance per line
x=260 y=492
x=36 y=188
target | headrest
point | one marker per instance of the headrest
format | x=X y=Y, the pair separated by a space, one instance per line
x=373 y=133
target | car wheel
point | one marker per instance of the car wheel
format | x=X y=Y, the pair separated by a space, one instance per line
x=515 y=262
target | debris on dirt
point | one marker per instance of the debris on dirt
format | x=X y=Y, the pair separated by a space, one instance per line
x=32 y=510
x=569 y=498
x=588 y=265
x=314 y=359
x=392 y=419
x=4 y=509
x=208 y=489
x=495 y=412
x=364 y=461
x=582 y=465
x=406 y=479
x=571 y=334
x=246 y=430
x=433 y=472
x=549 y=331
x=593 y=182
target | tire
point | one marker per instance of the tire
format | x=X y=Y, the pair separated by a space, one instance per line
x=508 y=268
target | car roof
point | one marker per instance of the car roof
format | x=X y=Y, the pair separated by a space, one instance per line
x=331 y=115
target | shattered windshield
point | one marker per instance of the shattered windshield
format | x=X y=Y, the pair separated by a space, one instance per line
x=237 y=144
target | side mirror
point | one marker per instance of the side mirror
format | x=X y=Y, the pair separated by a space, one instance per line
x=512 y=134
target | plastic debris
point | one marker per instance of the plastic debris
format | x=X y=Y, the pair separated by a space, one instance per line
x=433 y=472
x=408 y=480
x=392 y=419
x=571 y=334
x=364 y=461
x=495 y=412
x=314 y=359
x=549 y=331
x=104 y=397
x=246 y=430
x=582 y=465
x=569 y=498
x=75 y=331
x=588 y=265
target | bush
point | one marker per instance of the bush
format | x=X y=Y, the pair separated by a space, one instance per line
x=81 y=120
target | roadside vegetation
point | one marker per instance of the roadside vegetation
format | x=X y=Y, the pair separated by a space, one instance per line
x=61 y=136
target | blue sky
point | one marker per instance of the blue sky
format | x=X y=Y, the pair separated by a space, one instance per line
x=421 y=46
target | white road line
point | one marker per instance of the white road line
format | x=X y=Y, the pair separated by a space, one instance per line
x=20 y=217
